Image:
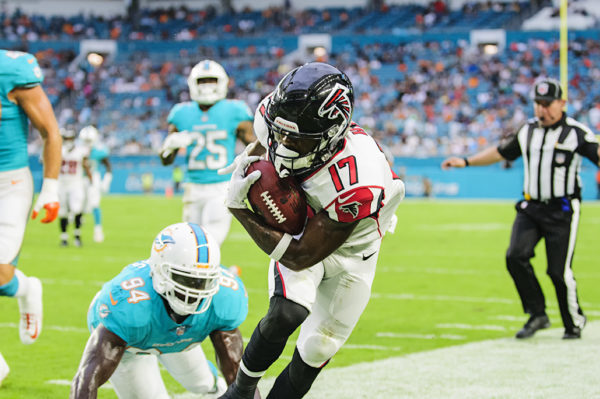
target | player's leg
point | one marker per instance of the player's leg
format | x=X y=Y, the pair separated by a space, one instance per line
x=341 y=299
x=138 y=377
x=524 y=237
x=77 y=202
x=93 y=206
x=288 y=308
x=215 y=216
x=4 y=369
x=16 y=193
x=194 y=372
x=560 y=235
x=63 y=213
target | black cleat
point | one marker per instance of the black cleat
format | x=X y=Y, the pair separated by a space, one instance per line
x=533 y=324
x=64 y=243
x=574 y=332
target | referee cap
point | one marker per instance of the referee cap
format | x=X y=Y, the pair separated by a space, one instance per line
x=547 y=90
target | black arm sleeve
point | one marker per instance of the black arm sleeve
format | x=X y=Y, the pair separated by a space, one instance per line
x=510 y=148
x=587 y=148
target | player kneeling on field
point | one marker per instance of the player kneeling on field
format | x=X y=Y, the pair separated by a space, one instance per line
x=165 y=306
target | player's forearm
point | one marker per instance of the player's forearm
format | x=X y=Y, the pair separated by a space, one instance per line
x=264 y=236
x=486 y=157
x=229 y=348
x=52 y=155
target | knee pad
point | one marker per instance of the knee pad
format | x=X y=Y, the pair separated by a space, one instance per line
x=317 y=349
x=282 y=319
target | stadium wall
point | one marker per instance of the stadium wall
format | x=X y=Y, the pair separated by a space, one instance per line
x=491 y=182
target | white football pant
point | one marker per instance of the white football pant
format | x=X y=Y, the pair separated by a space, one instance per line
x=204 y=204
x=71 y=195
x=16 y=195
x=138 y=376
x=335 y=291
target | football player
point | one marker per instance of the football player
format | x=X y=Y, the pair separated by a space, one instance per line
x=99 y=184
x=320 y=280
x=21 y=98
x=72 y=184
x=160 y=310
x=208 y=127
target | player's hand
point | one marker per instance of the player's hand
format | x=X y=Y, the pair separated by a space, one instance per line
x=240 y=184
x=106 y=180
x=175 y=141
x=48 y=199
x=453 y=162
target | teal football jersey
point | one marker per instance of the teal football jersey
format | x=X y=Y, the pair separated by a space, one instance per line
x=215 y=137
x=17 y=69
x=97 y=154
x=129 y=307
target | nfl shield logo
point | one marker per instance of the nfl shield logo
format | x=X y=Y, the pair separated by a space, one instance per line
x=560 y=158
x=543 y=88
x=180 y=330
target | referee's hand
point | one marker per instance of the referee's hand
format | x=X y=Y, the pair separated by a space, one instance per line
x=454 y=162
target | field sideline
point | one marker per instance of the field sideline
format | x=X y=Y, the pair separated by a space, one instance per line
x=441 y=289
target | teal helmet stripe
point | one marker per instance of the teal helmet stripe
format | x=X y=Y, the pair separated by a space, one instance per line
x=203 y=254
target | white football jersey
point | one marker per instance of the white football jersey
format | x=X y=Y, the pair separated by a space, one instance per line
x=71 y=169
x=357 y=183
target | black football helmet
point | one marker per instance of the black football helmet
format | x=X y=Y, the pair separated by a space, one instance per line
x=312 y=102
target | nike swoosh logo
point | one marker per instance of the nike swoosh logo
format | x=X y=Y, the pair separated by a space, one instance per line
x=13 y=182
x=365 y=257
x=342 y=200
x=112 y=301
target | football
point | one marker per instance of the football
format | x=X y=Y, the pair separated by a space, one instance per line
x=280 y=202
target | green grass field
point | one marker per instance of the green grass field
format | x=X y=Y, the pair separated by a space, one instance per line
x=441 y=281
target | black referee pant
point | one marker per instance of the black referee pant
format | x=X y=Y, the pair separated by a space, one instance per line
x=556 y=221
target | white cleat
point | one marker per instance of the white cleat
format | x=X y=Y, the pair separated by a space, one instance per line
x=30 y=306
x=4 y=369
x=98 y=234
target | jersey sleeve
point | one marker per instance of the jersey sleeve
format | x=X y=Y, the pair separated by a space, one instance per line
x=24 y=70
x=230 y=303
x=356 y=204
x=588 y=145
x=510 y=148
x=172 y=117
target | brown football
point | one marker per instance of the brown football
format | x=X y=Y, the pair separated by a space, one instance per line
x=279 y=201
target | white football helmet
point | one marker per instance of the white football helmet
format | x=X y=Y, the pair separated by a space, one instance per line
x=185 y=267
x=89 y=135
x=208 y=93
x=68 y=135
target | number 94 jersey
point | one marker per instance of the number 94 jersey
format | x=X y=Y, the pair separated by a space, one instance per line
x=215 y=136
x=128 y=306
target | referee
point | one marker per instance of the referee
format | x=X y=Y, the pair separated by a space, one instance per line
x=552 y=146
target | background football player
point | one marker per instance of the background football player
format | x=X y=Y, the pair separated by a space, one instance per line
x=160 y=310
x=74 y=172
x=208 y=127
x=99 y=184
x=22 y=98
x=321 y=280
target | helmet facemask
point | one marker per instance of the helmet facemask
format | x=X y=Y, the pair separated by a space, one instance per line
x=208 y=93
x=185 y=267
x=313 y=102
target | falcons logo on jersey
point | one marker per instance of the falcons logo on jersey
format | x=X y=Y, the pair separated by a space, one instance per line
x=337 y=103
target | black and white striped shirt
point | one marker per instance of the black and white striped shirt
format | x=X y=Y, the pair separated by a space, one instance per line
x=551 y=157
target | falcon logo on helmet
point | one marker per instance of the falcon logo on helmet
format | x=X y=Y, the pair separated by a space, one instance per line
x=337 y=104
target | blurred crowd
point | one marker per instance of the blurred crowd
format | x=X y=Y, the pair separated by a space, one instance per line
x=418 y=98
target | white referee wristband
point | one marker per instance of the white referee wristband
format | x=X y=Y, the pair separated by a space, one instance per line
x=281 y=247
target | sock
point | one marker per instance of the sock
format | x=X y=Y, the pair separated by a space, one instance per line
x=295 y=380
x=64 y=222
x=64 y=236
x=97 y=216
x=78 y=222
x=16 y=287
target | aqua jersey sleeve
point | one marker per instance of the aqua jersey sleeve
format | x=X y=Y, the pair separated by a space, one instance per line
x=230 y=305
x=124 y=306
x=17 y=69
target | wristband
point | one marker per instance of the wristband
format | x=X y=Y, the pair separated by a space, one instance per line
x=466 y=161
x=281 y=247
x=49 y=185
